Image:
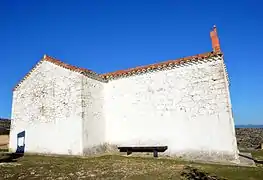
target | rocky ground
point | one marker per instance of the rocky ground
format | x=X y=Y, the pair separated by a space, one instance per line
x=249 y=138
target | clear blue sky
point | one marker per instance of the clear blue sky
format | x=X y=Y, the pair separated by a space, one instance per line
x=111 y=35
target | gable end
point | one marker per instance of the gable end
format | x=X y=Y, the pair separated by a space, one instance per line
x=83 y=71
x=28 y=74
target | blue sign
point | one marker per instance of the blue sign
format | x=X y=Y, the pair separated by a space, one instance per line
x=21 y=142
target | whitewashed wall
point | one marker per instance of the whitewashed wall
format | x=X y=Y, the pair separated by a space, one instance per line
x=93 y=115
x=48 y=107
x=185 y=108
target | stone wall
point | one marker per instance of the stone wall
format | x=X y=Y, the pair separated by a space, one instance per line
x=48 y=107
x=186 y=108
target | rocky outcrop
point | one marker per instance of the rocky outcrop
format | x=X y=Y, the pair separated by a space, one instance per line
x=249 y=138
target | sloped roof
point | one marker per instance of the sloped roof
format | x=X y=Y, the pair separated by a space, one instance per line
x=160 y=65
x=120 y=73
x=137 y=70
x=67 y=66
x=58 y=63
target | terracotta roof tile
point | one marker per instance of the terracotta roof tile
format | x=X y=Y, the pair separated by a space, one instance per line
x=59 y=63
x=160 y=65
x=130 y=71
x=67 y=66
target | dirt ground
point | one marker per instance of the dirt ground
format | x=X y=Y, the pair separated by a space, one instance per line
x=115 y=167
x=4 y=139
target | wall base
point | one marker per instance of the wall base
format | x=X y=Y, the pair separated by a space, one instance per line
x=209 y=156
x=100 y=149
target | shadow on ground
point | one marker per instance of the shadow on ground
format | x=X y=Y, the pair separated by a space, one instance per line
x=251 y=158
x=9 y=157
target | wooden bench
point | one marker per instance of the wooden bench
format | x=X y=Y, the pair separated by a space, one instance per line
x=154 y=149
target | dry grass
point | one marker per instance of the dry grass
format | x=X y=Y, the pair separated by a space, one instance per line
x=4 y=139
x=104 y=167
x=114 y=167
x=258 y=154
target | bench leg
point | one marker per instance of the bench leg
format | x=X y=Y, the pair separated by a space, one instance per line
x=129 y=152
x=155 y=153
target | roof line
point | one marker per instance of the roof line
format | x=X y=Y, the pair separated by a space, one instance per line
x=118 y=73
x=57 y=62
x=67 y=66
x=28 y=74
x=164 y=63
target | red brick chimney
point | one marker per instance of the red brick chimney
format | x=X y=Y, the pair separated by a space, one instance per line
x=215 y=40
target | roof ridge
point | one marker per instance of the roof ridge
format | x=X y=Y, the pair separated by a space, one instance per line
x=58 y=63
x=84 y=71
x=118 y=73
x=164 y=63
x=66 y=65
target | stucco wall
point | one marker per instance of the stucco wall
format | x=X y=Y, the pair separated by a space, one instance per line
x=186 y=108
x=48 y=107
x=93 y=115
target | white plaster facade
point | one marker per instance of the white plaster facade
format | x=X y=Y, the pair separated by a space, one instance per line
x=48 y=107
x=186 y=108
x=182 y=104
x=93 y=114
